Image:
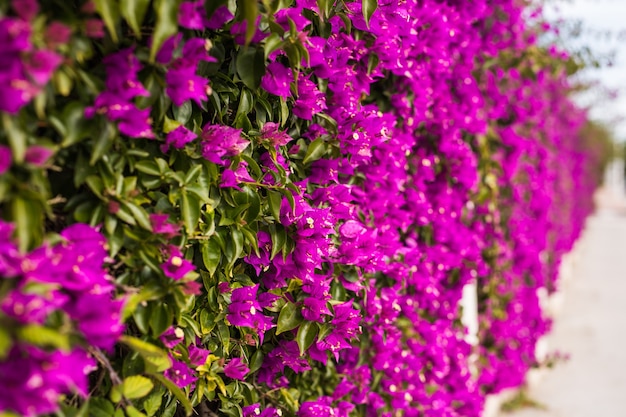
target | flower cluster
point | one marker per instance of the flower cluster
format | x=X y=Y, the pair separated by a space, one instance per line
x=293 y=237
x=26 y=69
x=68 y=278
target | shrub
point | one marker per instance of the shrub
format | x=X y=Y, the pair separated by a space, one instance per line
x=271 y=208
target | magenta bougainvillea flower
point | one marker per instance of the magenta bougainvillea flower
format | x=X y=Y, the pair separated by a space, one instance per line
x=176 y=266
x=277 y=79
x=160 y=225
x=270 y=132
x=192 y=15
x=219 y=141
x=178 y=138
x=116 y=103
x=236 y=369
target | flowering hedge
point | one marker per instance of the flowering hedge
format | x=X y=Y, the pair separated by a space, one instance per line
x=271 y=208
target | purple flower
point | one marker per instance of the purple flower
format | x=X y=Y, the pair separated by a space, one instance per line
x=179 y=373
x=41 y=65
x=25 y=9
x=245 y=310
x=176 y=266
x=270 y=132
x=33 y=380
x=277 y=79
x=198 y=356
x=254 y=410
x=31 y=308
x=57 y=34
x=172 y=337
x=38 y=155
x=98 y=318
x=221 y=141
x=238 y=30
x=192 y=15
x=310 y=100
x=116 y=103
x=218 y=19
x=160 y=225
x=236 y=369
x=183 y=84
x=178 y=138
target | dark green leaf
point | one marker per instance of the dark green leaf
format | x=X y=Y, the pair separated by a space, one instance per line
x=134 y=12
x=211 y=255
x=180 y=395
x=110 y=12
x=190 y=206
x=369 y=7
x=306 y=335
x=28 y=218
x=249 y=12
x=279 y=238
x=160 y=319
x=17 y=138
x=102 y=142
x=316 y=150
x=289 y=318
x=148 y=167
x=274 y=200
x=166 y=24
x=251 y=67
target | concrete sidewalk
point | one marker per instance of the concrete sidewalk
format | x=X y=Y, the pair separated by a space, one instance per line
x=591 y=322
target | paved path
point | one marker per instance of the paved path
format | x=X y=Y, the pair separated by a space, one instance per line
x=591 y=323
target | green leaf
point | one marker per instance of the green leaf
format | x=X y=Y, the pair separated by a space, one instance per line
x=28 y=218
x=110 y=12
x=100 y=407
x=148 y=167
x=182 y=113
x=289 y=318
x=315 y=151
x=166 y=24
x=246 y=103
x=274 y=200
x=151 y=354
x=250 y=198
x=17 y=138
x=160 y=319
x=152 y=404
x=5 y=343
x=325 y=7
x=369 y=7
x=140 y=214
x=256 y=361
x=190 y=206
x=43 y=336
x=73 y=124
x=211 y=255
x=223 y=332
x=279 y=238
x=251 y=67
x=134 y=12
x=102 y=142
x=131 y=411
x=136 y=386
x=249 y=12
x=306 y=335
x=272 y=43
x=178 y=393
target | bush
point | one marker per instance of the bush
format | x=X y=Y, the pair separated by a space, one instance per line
x=271 y=208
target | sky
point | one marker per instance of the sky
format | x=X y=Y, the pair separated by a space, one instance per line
x=604 y=32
